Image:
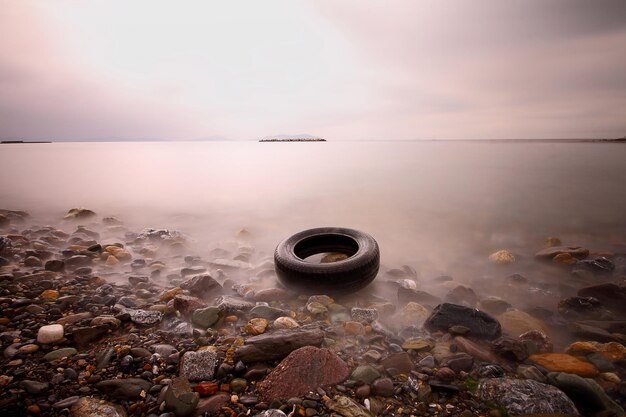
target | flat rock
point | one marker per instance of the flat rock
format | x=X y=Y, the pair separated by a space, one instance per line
x=574 y=251
x=525 y=396
x=202 y=286
x=93 y=407
x=477 y=350
x=229 y=304
x=278 y=344
x=562 y=362
x=303 y=370
x=60 y=353
x=516 y=322
x=124 y=389
x=446 y=315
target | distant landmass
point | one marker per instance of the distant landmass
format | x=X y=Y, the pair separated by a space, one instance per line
x=292 y=138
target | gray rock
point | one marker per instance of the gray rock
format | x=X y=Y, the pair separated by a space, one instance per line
x=458 y=362
x=589 y=397
x=34 y=387
x=163 y=350
x=267 y=312
x=60 y=353
x=179 y=397
x=202 y=286
x=364 y=315
x=93 y=407
x=278 y=344
x=524 y=396
x=198 y=366
x=364 y=373
x=347 y=407
x=124 y=389
x=446 y=315
x=229 y=304
x=205 y=317
x=143 y=317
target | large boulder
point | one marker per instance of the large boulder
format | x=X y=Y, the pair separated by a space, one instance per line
x=586 y=393
x=480 y=324
x=303 y=370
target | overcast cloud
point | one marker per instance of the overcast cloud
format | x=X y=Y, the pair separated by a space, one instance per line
x=344 y=70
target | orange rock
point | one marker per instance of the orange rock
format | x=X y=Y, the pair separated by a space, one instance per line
x=225 y=387
x=170 y=294
x=50 y=295
x=612 y=351
x=564 y=259
x=502 y=257
x=205 y=388
x=4 y=321
x=256 y=326
x=562 y=362
x=232 y=318
x=112 y=261
x=354 y=328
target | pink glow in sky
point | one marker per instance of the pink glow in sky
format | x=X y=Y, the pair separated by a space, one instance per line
x=343 y=70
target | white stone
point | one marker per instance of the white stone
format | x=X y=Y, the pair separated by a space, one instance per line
x=50 y=334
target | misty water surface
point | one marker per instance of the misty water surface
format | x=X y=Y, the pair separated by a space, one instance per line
x=441 y=208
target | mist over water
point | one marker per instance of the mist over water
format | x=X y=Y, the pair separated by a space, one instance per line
x=440 y=208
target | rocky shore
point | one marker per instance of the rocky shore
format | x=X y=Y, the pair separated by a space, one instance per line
x=97 y=319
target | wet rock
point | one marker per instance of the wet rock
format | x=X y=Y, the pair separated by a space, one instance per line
x=267 y=312
x=229 y=304
x=364 y=315
x=516 y=322
x=278 y=344
x=524 y=396
x=84 y=335
x=205 y=317
x=502 y=257
x=347 y=407
x=531 y=372
x=585 y=331
x=589 y=397
x=477 y=350
x=458 y=362
x=197 y=366
x=186 y=304
x=303 y=370
x=575 y=251
x=578 y=308
x=611 y=295
x=211 y=406
x=202 y=286
x=34 y=387
x=272 y=294
x=78 y=261
x=400 y=361
x=536 y=341
x=599 y=264
x=256 y=326
x=612 y=351
x=383 y=387
x=124 y=389
x=365 y=374
x=50 y=334
x=60 y=353
x=510 y=349
x=561 y=362
x=494 y=305
x=285 y=323
x=93 y=407
x=406 y=295
x=143 y=317
x=481 y=324
x=180 y=398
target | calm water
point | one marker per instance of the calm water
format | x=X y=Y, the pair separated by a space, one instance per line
x=439 y=207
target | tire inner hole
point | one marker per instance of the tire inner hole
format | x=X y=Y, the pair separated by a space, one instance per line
x=326 y=248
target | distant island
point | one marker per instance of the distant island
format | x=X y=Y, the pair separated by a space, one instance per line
x=292 y=138
x=8 y=142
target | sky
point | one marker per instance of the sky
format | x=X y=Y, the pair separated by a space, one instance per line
x=342 y=70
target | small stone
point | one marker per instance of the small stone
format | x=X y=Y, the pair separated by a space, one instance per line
x=400 y=361
x=205 y=317
x=49 y=295
x=418 y=345
x=238 y=385
x=365 y=373
x=50 y=334
x=285 y=323
x=354 y=328
x=206 y=388
x=60 y=353
x=109 y=321
x=28 y=349
x=197 y=366
x=364 y=315
x=256 y=326
x=383 y=387
x=34 y=387
x=170 y=294
x=124 y=389
x=33 y=262
x=564 y=259
x=316 y=308
x=458 y=362
x=502 y=257
x=92 y=407
x=180 y=398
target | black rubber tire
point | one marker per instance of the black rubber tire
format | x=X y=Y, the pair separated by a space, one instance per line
x=341 y=277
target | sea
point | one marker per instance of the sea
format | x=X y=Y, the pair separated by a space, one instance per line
x=440 y=208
